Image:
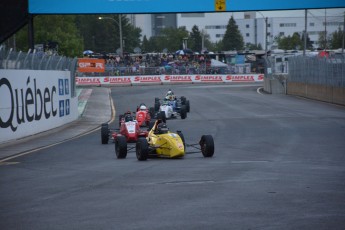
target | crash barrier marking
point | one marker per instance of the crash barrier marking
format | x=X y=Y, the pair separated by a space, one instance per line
x=165 y=79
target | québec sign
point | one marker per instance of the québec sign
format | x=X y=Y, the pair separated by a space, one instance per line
x=32 y=101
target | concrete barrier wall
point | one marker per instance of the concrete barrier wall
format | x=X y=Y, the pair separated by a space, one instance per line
x=329 y=94
x=33 y=101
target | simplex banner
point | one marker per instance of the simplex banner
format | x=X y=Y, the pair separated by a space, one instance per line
x=169 y=79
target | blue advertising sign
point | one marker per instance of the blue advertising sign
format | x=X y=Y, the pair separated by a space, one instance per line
x=172 y=6
x=61 y=87
x=61 y=108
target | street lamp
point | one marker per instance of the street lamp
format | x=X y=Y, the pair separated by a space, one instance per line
x=266 y=25
x=120 y=30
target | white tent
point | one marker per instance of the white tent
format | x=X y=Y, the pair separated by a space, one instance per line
x=215 y=63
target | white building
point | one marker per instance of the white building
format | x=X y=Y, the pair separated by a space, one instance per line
x=251 y=24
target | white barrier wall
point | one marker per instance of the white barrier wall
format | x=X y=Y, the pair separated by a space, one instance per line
x=169 y=79
x=33 y=101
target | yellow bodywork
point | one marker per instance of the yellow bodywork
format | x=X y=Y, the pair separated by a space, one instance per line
x=168 y=144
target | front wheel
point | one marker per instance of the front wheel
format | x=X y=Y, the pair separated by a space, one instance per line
x=121 y=147
x=142 y=149
x=105 y=133
x=188 y=106
x=207 y=145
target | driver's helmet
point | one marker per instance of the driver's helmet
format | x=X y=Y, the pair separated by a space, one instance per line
x=128 y=118
x=143 y=108
x=170 y=93
x=162 y=128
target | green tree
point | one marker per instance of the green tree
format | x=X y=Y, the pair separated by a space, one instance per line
x=251 y=46
x=145 y=45
x=169 y=38
x=57 y=28
x=290 y=42
x=232 y=39
x=195 y=39
x=323 y=41
x=104 y=35
x=336 y=39
x=309 y=42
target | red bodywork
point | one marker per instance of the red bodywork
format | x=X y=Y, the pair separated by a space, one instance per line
x=143 y=117
x=131 y=130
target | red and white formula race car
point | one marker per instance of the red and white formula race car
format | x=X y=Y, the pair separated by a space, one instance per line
x=129 y=131
x=144 y=115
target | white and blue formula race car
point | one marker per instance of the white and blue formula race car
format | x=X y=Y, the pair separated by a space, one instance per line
x=171 y=108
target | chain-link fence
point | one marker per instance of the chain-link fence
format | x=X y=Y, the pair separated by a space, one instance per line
x=328 y=71
x=32 y=60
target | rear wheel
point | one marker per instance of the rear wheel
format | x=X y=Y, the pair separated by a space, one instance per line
x=121 y=147
x=105 y=133
x=157 y=105
x=183 y=112
x=152 y=123
x=182 y=138
x=142 y=149
x=152 y=111
x=207 y=145
x=161 y=115
x=183 y=100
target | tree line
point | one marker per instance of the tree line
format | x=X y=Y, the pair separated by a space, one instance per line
x=75 y=33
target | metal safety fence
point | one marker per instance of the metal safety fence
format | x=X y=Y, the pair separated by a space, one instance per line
x=328 y=71
x=32 y=60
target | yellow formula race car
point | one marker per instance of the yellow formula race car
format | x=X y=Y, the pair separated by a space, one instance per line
x=160 y=142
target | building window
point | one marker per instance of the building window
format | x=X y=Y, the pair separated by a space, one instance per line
x=312 y=24
x=247 y=26
x=287 y=24
x=215 y=27
x=247 y=34
x=281 y=33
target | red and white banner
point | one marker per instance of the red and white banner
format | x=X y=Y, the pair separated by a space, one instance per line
x=166 y=79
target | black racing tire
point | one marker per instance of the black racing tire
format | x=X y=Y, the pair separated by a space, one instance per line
x=151 y=124
x=207 y=145
x=183 y=100
x=188 y=106
x=156 y=107
x=105 y=133
x=121 y=147
x=152 y=111
x=183 y=112
x=161 y=115
x=182 y=138
x=142 y=149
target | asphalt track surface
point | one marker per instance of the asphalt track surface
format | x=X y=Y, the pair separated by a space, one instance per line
x=279 y=163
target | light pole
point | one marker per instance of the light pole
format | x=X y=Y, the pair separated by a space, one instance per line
x=120 y=30
x=266 y=26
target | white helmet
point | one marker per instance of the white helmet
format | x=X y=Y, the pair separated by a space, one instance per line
x=142 y=107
